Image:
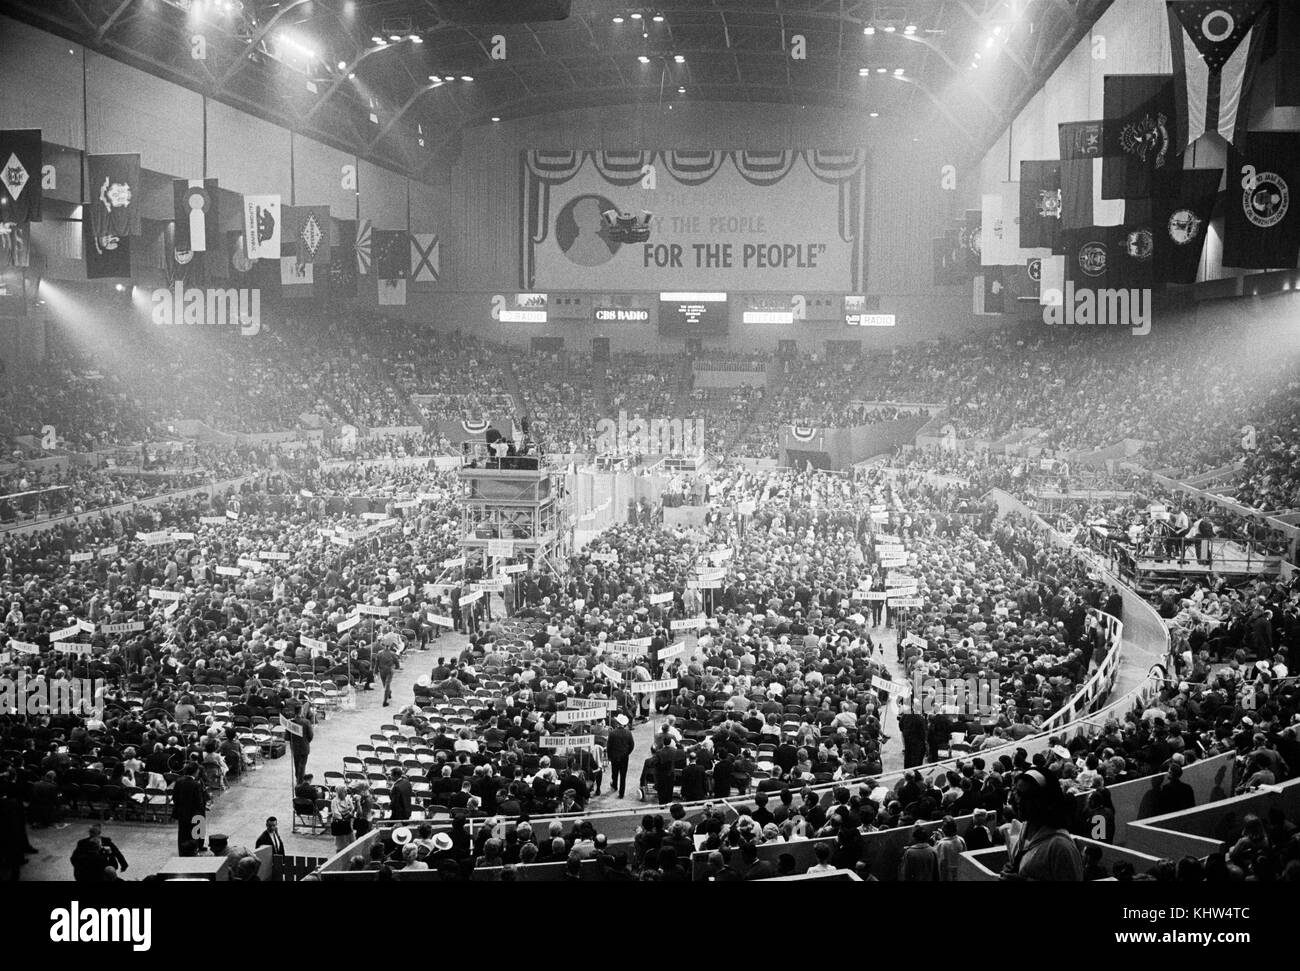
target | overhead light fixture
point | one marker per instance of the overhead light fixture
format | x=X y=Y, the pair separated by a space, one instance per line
x=449 y=77
x=467 y=77
x=890 y=29
x=988 y=43
x=118 y=287
x=679 y=58
x=636 y=16
x=643 y=59
x=394 y=37
x=435 y=80
x=416 y=39
x=681 y=90
x=881 y=70
x=898 y=72
x=863 y=72
x=496 y=117
x=658 y=18
x=997 y=31
x=352 y=76
x=868 y=30
x=910 y=29
x=343 y=65
x=618 y=20
x=875 y=114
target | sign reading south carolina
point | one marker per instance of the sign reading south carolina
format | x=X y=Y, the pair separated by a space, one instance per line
x=693 y=220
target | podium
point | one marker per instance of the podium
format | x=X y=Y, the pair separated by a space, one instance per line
x=514 y=507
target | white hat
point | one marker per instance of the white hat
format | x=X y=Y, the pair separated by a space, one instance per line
x=621 y=719
x=402 y=835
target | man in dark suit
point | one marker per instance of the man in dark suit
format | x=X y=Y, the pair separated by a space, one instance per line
x=401 y=796
x=663 y=762
x=694 y=780
x=271 y=837
x=751 y=867
x=189 y=808
x=300 y=745
x=93 y=855
x=619 y=748
x=1175 y=795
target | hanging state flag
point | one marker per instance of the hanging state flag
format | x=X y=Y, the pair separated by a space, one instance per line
x=198 y=228
x=15 y=245
x=1080 y=139
x=106 y=256
x=1262 y=223
x=1288 y=54
x=305 y=234
x=13 y=292
x=1216 y=46
x=1106 y=257
x=426 y=258
x=971 y=235
x=1022 y=280
x=363 y=247
x=1182 y=211
x=297 y=280
x=993 y=231
x=20 y=175
x=114 y=205
x=392 y=293
x=1139 y=139
x=988 y=292
x=1076 y=193
x=1040 y=204
x=262 y=227
x=181 y=265
x=948 y=260
x=1051 y=280
x=343 y=259
x=240 y=264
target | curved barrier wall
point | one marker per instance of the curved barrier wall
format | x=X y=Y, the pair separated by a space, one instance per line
x=1141 y=640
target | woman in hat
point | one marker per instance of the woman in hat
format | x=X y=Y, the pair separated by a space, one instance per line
x=343 y=809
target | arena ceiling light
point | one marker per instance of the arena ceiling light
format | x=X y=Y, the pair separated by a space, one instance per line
x=679 y=58
x=875 y=114
x=636 y=16
x=496 y=117
x=467 y=77
x=643 y=59
x=681 y=90
x=618 y=20
x=864 y=72
x=869 y=31
x=658 y=18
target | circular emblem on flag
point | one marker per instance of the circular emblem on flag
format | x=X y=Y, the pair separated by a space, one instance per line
x=1267 y=203
x=182 y=257
x=1139 y=244
x=196 y=197
x=1184 y=226
x=1218 y=25
x=1092 y=258
x=1035 y=270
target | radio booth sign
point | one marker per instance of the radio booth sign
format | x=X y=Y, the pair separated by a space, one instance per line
x=783 y=220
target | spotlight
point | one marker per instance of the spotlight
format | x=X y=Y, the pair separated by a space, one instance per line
x=681 y=90
x=898 y=72
x=118 y=287
x=342 y=65
x=636 y=16
x=869 y=31
x=658 y=18
x=881 y=70
x=618 y=20
x=864 y=72
x=875 y=114
x=679 y=58
x=394 y=37
x=416 y=39
x=643 y=59
x=449 y=77
x=467 y=77
x=988 y=43
x=910 y=29
x=496 y=117
x=890 y=29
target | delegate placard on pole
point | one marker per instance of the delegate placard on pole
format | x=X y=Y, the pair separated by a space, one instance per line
x=689 y=623
x=672 y=651
x=653 y=687
x=291 y=726
x=566 y=741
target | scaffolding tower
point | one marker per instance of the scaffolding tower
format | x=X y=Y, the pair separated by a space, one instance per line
x=514 y=507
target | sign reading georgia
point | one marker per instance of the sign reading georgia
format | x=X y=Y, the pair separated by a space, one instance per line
x=693 y=220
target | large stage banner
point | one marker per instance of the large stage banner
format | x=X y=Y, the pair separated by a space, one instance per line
x=790 y=220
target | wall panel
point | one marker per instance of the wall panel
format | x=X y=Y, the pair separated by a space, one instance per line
x=245 y=154
x=42 y=83
x=131 y=111
x=318 y=177
x=383 y=196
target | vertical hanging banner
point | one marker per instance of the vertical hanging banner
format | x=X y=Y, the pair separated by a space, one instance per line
x=106 y=255
x=1216 y=47
x=15 y=245
x=362 y=246
x=114 y=206
x=198 y=227
x=1140 y=134
x=305 y=234
x=1261 y=228
x=1183 y=207
x=1040 y=205
x=343 y=258
x=426 y=258
x=262 y=227
x=391 y=265
x=20 y=175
